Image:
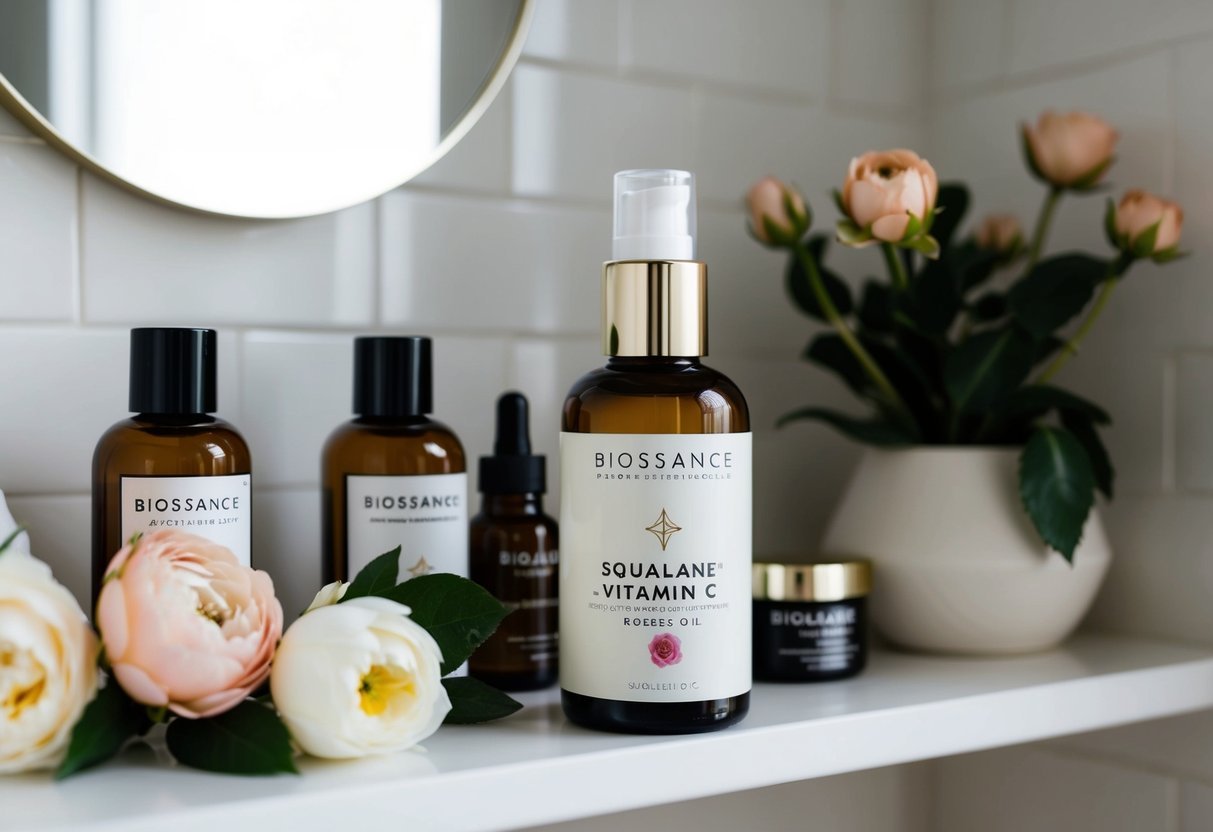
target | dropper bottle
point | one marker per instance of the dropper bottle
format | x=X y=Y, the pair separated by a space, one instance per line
x=513 y=554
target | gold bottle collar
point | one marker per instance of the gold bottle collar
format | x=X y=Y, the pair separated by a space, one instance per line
x=812 y=581
x=655 y=308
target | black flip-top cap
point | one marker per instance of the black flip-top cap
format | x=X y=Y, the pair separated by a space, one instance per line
x=513 y=469
x=393 y=376
x=173 y=370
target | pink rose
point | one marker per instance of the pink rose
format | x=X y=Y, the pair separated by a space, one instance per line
x=665 y=649
x=883 y=190
x=1069 y=151
x=185 y=625
x=1137 y=213
x=778 y=214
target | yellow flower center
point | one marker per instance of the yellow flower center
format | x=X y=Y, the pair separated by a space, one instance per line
x=383 y=686
x=22 y=680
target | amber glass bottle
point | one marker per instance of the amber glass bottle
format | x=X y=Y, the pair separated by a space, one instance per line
x=655 y=493
x=172 y=465
x=513 y=554
x=393 y=476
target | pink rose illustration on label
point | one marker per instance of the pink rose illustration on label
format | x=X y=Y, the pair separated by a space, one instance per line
x=665 y=649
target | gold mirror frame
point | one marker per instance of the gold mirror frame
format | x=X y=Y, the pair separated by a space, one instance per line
x=24 y=112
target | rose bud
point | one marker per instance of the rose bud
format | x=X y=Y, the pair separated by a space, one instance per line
x=1145 y=225
x=359 y=678
x=185 y=625
x=778 y=214
x=48 y=664
x=1073 y=150
x=890 y=197
x=1000 y=233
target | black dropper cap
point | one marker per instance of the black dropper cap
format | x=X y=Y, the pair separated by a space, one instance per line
x=512 y=469
x=393 y=376
x=173 y=370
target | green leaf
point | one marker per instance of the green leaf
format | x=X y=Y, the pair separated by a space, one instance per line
x=802 y=293
x=850 y=234
x=1085 y=432
x=876 y=306
x=926 y=245
x=473 y=701
x=1091 y=178
x=107 y=724
x=953 y=199
x=829 y=351
x=1109 y=225
x=1055 y=291
x=458 y=613
x=989 y=307
x=376 y=578
x=248 y=739
x=972 y=265
x=933 y=299
x=868 y=432
x=1143 y=243
x=1057 y=487
x=987 y=367
x=1038 y=399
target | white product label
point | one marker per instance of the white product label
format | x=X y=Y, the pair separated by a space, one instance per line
x=217 y=508
x=425 y=515
x=655 y=534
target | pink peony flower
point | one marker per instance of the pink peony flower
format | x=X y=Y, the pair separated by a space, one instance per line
x=665 y=649
x=778 y=214
x=185 y=625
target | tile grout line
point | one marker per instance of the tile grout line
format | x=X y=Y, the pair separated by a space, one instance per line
x=1170 y=423
x=78 y=260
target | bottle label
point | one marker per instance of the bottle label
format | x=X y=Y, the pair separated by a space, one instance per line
x=655 y=568
x=217 y=508
x=425 y=515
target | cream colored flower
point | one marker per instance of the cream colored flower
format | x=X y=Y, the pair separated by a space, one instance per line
x=1073 y=150
x=328 y=595
x=359 y=678
x=48 y=664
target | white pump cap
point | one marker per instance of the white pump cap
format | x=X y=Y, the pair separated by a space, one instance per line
x=654 y=215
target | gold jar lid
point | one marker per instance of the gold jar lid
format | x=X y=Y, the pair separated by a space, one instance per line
x=835 y=581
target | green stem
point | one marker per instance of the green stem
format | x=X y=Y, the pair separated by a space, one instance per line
x=897 y=269
x=1070 y=348
x=1042 y=227
x=870 y=367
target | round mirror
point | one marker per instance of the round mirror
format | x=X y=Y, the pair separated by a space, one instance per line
x=256 y=108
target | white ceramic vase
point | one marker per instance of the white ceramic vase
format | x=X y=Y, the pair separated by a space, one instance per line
x=958 y=566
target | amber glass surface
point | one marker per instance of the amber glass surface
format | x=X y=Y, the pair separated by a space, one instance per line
x=522 y=654
x=155 y=445
x=654 y=395
x=383 y=446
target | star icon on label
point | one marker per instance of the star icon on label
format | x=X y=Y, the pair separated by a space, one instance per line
x=663 y=529
x=421 y=567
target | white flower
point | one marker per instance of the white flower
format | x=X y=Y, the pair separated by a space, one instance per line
x=328 y=595
x=359 y=678
x=48 y=664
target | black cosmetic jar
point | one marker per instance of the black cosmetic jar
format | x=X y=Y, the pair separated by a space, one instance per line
x=810 y=620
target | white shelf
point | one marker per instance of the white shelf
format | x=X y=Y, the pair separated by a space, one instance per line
x=536 y=768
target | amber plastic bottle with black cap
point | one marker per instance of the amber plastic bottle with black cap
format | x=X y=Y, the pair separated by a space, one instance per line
x=173 y=465
x=393 y=476
x=513 y=554
x=655 y=510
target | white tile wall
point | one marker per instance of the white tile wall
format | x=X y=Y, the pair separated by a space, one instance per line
x=37 y=233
